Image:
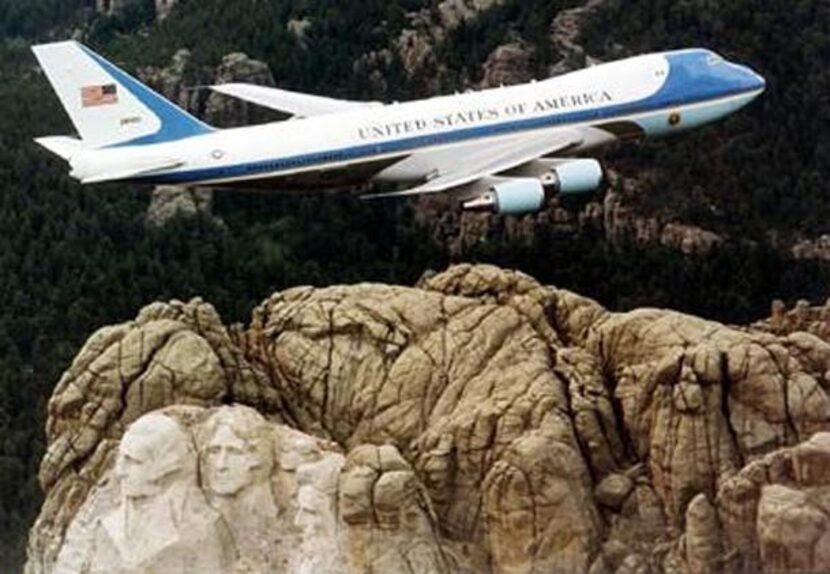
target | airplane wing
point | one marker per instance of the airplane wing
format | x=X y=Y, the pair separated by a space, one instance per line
x=492 y=159
x=294 y=103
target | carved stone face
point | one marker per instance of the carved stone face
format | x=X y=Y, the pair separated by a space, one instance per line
x=230 y=462
x=151 y=452
x=312 y=511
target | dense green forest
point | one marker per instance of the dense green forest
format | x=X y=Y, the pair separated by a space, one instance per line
x=75 y=258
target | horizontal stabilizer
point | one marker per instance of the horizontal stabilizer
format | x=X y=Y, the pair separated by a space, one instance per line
x=293 y=103
x=147 y=166
x=62 y=146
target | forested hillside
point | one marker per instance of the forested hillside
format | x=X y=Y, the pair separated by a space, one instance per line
x=74 y=258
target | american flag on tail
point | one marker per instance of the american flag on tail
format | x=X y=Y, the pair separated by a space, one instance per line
x=92 y=96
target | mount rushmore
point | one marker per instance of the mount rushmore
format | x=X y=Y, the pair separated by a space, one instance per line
x=478 y=422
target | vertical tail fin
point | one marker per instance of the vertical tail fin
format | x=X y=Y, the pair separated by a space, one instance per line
x=108 y=106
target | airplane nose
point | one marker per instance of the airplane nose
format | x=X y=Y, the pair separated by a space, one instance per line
x=752 y=80
x=758 y=81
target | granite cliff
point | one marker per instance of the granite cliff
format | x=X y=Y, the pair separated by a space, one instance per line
x=477 y=422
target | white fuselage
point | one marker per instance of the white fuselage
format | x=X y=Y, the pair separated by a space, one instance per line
x=410 y=141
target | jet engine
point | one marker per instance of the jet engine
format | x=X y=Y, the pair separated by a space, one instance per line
x=576 y=176
x=528 y=189
x=510 y=197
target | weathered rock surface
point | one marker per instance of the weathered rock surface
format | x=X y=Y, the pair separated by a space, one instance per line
x=566 y=30
x=774 y=513
x=227 y=111
x=169 y=202
x=184 y=82
x=110 y=7
x=163 y=8
x=814 y=249
x=507 y=65
x=173 y=353
x=613 y=216
x=177 y=80
x=479 y=422
x=802 y=317
x=622 y=222
x=417 y=45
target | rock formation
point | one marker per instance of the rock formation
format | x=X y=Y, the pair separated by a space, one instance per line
x=478 y=422
x=614 y=216
x=565 y=32
x=179 y=81
x=186 y=83
x=110 y=7
x=507 y=65
x=416 y=46
x=802 y=317
x=813 y=249
x=169 y=202
x=227 y=111
x=622 y=222
x=163 y=8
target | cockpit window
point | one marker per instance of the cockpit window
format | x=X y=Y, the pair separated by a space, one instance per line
x=714 y=59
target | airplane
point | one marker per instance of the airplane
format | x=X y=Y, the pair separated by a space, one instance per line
x=506 y=150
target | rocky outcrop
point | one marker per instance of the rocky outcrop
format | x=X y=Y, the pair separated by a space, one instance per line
x=226 y=111
x=479 y=422
x=612 y=216
x=110 y=7
x=185 y=83
x=163 y=8
x=802 y=317
x=173 y=353
x=622 y=222
x=565 y=32
x=454 y=13
x=178 y=80
x=508 y=64
x=813 y=249
x=417 y=45
x=169 y=202
x=299 y=28
x=773 y=513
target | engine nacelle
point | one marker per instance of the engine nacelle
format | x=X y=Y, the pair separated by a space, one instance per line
x=577 y=176
x=510 y=197
x=534 y=184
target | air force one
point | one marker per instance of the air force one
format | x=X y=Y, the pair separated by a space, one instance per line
x=505 y=150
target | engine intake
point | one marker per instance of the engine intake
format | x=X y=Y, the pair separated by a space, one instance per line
x=510 y=197
x=577 y=176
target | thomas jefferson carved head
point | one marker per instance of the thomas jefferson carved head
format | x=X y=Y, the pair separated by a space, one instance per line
x=237 y=450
